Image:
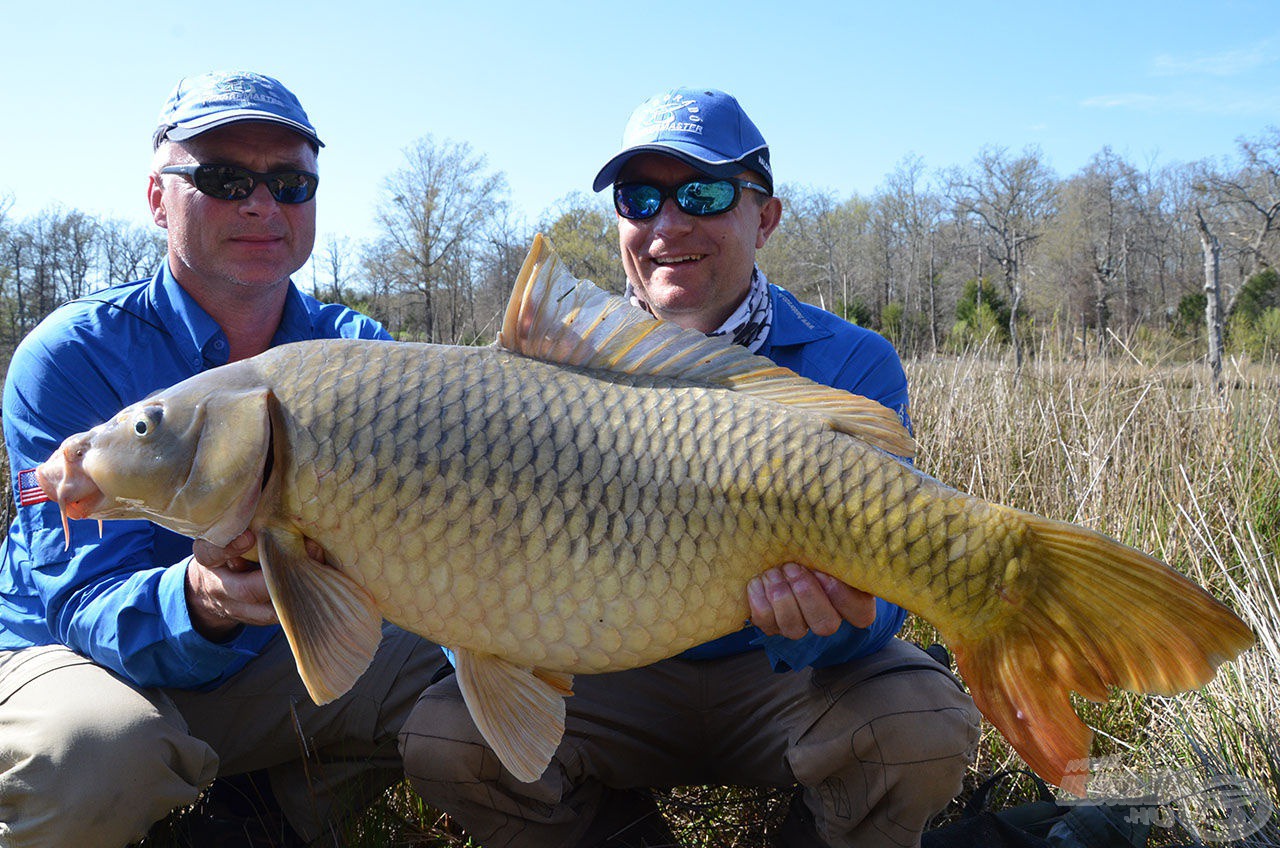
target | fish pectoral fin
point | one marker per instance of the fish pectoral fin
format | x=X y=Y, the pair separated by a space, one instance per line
x=518 y=710
x=333 y=625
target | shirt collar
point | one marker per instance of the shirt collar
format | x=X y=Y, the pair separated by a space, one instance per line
x=199 y=336
x=296 y=324
x=791 y=326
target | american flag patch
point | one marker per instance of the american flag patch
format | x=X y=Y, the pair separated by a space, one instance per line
x=29 y=491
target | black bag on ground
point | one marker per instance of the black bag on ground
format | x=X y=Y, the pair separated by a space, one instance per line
x=1042 y=823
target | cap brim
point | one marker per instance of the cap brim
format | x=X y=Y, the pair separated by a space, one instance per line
x=692 y=155
x=191 y=129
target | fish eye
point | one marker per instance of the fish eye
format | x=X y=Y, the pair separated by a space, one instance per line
x=147 y=421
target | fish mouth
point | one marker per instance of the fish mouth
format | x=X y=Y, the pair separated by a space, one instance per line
x=63 y=480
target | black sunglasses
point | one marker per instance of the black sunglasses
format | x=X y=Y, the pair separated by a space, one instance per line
x=231 y=182
x=638 y=201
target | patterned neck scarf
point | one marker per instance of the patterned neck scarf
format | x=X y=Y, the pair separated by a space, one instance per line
x=750 y=322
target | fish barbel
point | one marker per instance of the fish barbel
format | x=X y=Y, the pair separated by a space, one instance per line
x=593 y=493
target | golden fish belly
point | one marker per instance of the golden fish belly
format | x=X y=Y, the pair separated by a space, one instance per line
x=589 y=522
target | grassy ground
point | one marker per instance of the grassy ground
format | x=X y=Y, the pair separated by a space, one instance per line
x=1142 y=451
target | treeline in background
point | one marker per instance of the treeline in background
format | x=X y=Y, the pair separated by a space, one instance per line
x=993 y=252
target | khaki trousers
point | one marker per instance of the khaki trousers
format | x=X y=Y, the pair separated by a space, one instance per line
x=878 y=746
x=88 y=760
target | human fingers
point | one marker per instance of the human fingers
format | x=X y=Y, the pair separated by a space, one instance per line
x=230 y=556
x=775 y=609
x=220 y=599
x=761 y=610
x=817 y=612
x=853 y=605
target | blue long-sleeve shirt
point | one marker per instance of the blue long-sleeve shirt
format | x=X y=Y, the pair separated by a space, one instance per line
x=120 y=599
x=829 y=350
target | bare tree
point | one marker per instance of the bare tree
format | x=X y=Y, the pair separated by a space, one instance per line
x=1166 y=241
x=35 y=256
x=820 y=250
x=130 y=252
x=77 y=243
x=1213 y=298
x=333 y=264
x=506 y=244
x=1097 y=227
x=910 y=216
x=433 y=213
x=1249 y=200
x=1012 y=197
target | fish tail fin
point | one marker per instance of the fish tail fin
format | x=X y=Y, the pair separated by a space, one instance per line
x=1086 y=613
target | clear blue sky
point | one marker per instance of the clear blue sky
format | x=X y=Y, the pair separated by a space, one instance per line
x=843 y=91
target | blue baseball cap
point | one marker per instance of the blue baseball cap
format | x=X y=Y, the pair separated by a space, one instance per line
x=198 y=104
x=705 y=128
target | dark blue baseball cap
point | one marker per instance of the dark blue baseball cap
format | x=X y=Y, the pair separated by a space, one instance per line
x=705 y=128
x=199 y=104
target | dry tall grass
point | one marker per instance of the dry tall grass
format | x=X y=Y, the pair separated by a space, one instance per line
x=1153 y=456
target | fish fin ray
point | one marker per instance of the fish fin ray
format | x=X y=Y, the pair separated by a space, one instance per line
x=556 y=318
x=519 y=710
x=333 y=625
x=1086 y=613
x=1034 y=715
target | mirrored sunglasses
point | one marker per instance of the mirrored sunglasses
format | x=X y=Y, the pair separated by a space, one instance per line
x=638 y=201
x=231 y=182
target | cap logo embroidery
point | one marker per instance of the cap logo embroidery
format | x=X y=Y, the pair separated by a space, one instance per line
x=664 y=116
x=246 y=91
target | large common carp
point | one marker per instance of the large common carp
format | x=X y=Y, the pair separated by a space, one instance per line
x=594 y=493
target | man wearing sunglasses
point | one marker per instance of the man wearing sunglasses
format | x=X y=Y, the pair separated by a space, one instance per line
x=135 y=667
x=876 y=733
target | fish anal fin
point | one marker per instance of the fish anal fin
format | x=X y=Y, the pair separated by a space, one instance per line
x=557 y=318
x=332 y=624
x=519 y=710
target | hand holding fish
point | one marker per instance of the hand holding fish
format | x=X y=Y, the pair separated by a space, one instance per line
x=792 y=600
x=225 y=590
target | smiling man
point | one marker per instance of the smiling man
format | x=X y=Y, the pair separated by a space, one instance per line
x=135 y=666
x=819 y=694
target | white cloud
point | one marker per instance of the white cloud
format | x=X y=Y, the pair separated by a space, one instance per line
x=1228 y=63
x=1215 y=103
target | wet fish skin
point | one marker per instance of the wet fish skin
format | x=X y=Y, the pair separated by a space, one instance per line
x=634 y=532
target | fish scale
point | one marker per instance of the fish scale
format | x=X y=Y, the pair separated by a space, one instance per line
x=476 y=424
x=595 y=494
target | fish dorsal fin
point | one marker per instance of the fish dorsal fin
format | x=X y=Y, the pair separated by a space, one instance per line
x=518 y=710
x=332 y=624
x=556 y=318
